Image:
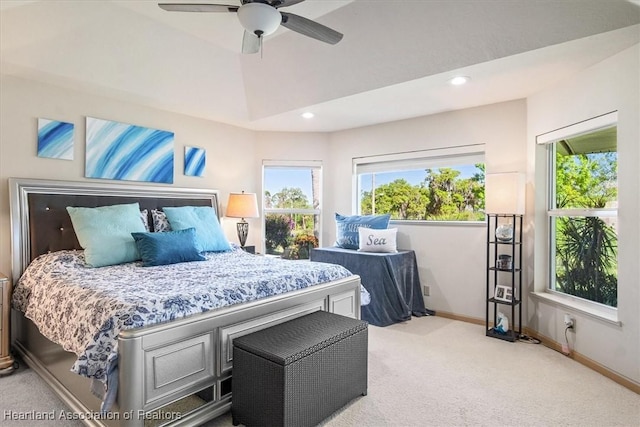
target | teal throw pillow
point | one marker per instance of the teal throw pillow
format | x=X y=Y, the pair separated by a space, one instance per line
x=209 y=234
x=170 y=247
x=347 y=236
x=105 y=233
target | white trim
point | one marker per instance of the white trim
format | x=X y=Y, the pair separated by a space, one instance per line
x=438 y=157
x=589 y=125
x=434 y=152
x=594 y=310
x=604 y=213
x=292 y=211
x=289 y=164
x=423 y=222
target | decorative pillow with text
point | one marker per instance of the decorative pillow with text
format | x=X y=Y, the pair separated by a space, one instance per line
x=372 y=240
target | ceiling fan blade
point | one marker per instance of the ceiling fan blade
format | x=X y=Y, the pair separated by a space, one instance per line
x=250 y=43
x=198 y=7
x=310 y=28
x=284 y=3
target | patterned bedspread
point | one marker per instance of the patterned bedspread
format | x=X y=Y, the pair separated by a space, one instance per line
x=84 y=309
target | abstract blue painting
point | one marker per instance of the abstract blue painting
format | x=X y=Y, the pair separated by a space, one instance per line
x=194 y=161
x=128 y=152
x=55 y=139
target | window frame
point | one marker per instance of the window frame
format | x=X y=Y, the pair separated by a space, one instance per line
x=412 y=160
x=546 y=142
x=292 y=164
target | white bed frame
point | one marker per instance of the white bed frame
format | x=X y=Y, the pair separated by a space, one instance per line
x=161 y=364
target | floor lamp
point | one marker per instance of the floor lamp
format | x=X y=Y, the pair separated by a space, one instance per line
x=504 y=196
x=505 y=193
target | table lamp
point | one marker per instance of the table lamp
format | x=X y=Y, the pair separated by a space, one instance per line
x=242 y=205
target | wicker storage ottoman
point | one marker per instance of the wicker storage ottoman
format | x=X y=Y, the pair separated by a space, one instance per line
x=299 y=372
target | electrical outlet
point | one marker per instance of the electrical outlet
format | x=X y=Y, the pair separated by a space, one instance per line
x=569 y=321
x=425 y=290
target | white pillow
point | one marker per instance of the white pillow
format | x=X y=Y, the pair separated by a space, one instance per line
x=372 y=240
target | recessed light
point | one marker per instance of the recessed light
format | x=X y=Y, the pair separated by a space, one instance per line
x=307 y=115
x=460 y=80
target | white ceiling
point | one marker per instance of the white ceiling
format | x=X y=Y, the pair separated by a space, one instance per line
x=394 y=62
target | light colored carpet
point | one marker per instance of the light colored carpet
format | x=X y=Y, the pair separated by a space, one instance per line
x=433 y=371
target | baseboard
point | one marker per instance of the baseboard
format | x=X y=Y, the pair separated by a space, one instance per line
x=454 y=316
x=548 y=342
x=584 y=360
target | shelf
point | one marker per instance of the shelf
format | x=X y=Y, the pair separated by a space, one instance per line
x=512 y=252
x=508 y=270
x=509 y=336
x=495 y=301
x=498 y=242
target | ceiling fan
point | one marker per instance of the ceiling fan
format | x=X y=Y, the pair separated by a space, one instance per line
x=261 y=18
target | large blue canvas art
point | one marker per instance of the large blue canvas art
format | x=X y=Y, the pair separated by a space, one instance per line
x=128 y=152
x=55 y=139
x=194 y=161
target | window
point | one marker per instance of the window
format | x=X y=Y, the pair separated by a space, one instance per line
x=582 y=214
x=432 y=185
x=292 y=203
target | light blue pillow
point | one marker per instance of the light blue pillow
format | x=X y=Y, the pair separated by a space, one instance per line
x=347 y=235
x=105 y=233
x=170 y=247
x=209 y=234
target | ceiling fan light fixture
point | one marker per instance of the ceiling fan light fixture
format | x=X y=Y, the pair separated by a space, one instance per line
x=259 y=18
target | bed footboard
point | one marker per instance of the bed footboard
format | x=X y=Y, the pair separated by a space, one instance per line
x=179 y=372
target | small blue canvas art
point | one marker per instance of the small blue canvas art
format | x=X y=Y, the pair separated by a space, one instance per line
x=55 y=139
x=127 y=152
x=194 y=161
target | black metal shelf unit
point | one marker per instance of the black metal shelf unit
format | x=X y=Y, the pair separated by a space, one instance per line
x=505 y=271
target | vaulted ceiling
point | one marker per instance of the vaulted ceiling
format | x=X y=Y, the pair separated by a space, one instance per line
x=394 y=61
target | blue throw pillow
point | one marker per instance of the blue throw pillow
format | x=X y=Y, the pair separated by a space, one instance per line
x=105 y=233
x=209 y=234
x=347 y=236
x=170 y=247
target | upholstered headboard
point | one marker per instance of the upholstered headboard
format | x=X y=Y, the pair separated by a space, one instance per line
x=40 y=222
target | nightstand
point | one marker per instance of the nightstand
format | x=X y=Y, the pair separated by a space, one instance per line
x=249 y=249
x=6 y=360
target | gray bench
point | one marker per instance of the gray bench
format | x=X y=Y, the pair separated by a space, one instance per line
x=299 y=372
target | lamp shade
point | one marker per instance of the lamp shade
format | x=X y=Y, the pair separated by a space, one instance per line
x=242 y=205
x=259 y=18
x=504 y=193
